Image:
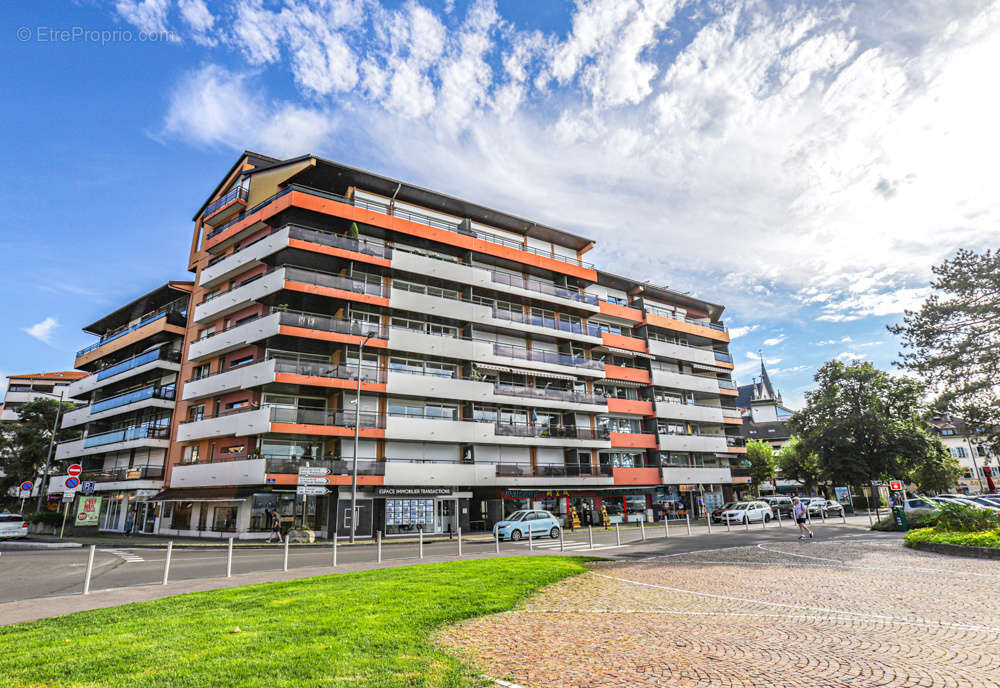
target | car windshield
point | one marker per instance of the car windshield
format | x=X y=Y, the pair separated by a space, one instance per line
x=517 y=516
x=729 y=505
x=741 y=506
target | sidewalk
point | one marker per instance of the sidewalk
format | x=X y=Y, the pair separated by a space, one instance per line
x=158 y=541
x=45 y=607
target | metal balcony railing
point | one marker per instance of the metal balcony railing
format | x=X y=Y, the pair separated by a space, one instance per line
x=551 y=323
x=540 y=356
x=238 y=194
x=554 y=394
x=124 y=473
x=313 y=321
x=163 y=354
x=723 y=357
x=514 y=470
x=290 y=465
x=157 y=432
x=344 y=419
x=553 y=431
x=543 y=287
x=151 y=392
x=177 y=305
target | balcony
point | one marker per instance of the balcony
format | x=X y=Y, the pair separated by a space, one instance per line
x=580 y=331
x=445 y=429
x=152 y=396
x=124 y=473
x=178 y=306
x=551 y=357
x=669 y=321
x=342 y=419
x=230 y=205
x=681 y=352
x=141 y=432
x=248 y=420
x=290 y=466
x=545 y=470
x=689 y=412
x=518 y=283
x=551 y=431
x=693 y=443
x=235 y=337
x=168 y=358
x=722 y=357
x=566 y=395
x=696 y=383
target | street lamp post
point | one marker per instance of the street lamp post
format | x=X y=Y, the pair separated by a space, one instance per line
x=48 y=457
x=357 y=427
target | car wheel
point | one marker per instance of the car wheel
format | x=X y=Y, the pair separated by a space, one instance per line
x=515 y=535
x=746 y=520
x=554 y=533
x=767 y=518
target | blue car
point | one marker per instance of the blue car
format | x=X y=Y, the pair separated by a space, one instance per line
x=516 y=526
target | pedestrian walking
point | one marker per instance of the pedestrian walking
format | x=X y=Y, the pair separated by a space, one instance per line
x=275 y=527
x=129 y=522
x=800 y=518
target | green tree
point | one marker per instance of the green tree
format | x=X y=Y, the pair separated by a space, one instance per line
x=862 y=423
x=938 y=471
x=796 y=462
x=953 y=341
x=25 y=444
x=762 y=463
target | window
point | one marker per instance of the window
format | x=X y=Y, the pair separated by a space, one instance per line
x=207 y=332
x=191 y=454
x=957 y=452
x=196 y=412
x=201 y=371
x=181 y=519
x=947 y=432
x=242 y=360
x=224 y=518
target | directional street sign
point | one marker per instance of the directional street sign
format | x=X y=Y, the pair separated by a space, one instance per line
x=72 y=483
x=312 y=480
x=309 y=490
x=74 y=470
x=69 y=496
x=26 y=486
x=313 y=470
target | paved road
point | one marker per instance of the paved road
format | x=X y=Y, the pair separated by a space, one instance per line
x=32 y=574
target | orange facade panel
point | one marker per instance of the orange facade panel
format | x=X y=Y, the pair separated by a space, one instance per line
x=687 y=327
x=728 y=392
x=633 y=440
x=736 y=450
x=159 y=325
x=642 y=408
x=732 y=421
x=622 y=342
x=326 y=336
x=631 y=374
x=636 y=476
x=623 y=312
x=326 y=430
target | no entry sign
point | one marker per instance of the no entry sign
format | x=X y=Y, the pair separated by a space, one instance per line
x=75 y=470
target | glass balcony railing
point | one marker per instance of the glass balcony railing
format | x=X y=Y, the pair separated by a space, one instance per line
x=158 y=432
x=131 y=397
x=723 y=357
x=540 y=356
x=237 y=194
x=124 y=473
x=543 y=288
x=554 y=394
x=549 y=322
x=136 y=361
x=344 y=419
x=554 y=431
x=178 y=306
x=290 y=465
x=727 y=384
x=313 y=321
x=514 y=470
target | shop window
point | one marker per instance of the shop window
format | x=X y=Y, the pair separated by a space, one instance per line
x=224 y=518
x=181 y=517
x=258 y=518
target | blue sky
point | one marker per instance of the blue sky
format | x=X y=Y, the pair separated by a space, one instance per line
x=804 y=164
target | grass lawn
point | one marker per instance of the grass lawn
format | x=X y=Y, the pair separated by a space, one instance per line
x=353 y=629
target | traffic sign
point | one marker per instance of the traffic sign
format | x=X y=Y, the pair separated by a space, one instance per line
x=87 y=488
x=26 y=486
x=312 y=480
x=313 y=470
x=74 y=470
x=896 y=485
x=69 y=496
x=72 y=483
x=309 y=490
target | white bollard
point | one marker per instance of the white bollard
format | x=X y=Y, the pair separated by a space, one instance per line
x=166 y=564
x=284 y=561
x=666 y=526
x=590 y=535
x=90 y=570
x=531 y=542
x=562 y=548
x=843 y=516
x=496 y=537
x=763 y=521
x=420 y=543
x=335 y=550
x=378 y=544
x=229 y=559
x=708 y=520
x=460 y=541
x=822 y=515
x=746 y=523
x=618 y=535
x=642 y=530
x=779 y=518
x=687 y=519
x=729 y=528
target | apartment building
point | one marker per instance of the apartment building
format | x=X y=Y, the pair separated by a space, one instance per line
x=22 y=389
x=127 y=390
x=968 y=446
x=486 y=366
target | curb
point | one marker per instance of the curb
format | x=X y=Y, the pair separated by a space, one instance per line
x=972 y=551
x=27 y=546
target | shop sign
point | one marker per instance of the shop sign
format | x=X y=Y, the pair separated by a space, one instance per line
x=146 y=493
x=413 y=491
x=843 y=495
x=87 y=487
x=687 y=488
x=88 y=511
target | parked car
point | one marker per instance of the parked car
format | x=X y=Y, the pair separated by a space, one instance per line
x=717 y=513
x=13 y=525
x=814 y=505
x=747 y=512
x=920 y=505
x=780 y=505
x=825 y=507
x=518 y=524
x=983 y=503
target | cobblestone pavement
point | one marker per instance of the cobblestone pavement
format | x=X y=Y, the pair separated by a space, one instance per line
x=802 y=614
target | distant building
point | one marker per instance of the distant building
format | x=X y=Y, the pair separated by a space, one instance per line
x=22 y=389
x=765 y=418
x=965 y=444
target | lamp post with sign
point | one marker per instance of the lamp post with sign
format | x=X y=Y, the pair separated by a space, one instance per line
x=48 y=457
x=357 y=428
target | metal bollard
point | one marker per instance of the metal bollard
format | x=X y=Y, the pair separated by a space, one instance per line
x=334 y=550
x=562 y=548
x=822 y=515
x=666 y=526
x=642 y=530
x=779 y=518
x=229 y=559
x=687 y=519
x=763 y=521
x=843 y=516
x=420 y=543
x=284 y=561
x=496 y=537
x=729 y=528
x=618 y=535
x=166 y=564
x=746 y=523
x=459 y=541
x=378 y=545
x=708 y=520
x=90 y=570
x=531 y=542
x=590 y=535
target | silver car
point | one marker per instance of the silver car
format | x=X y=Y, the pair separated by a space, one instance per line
x=13 y=525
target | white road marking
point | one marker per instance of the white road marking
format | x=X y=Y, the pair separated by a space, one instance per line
x=128 y=556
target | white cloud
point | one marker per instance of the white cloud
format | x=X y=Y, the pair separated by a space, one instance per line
x=774 y=341
x=737 y=332
x=855 y=146
x=199 y=19
x=146 y=15
x=43 y=331
x=828 y=342
x=850 y=356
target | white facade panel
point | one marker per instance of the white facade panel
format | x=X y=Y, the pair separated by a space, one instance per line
x=693 y=443
x=240 y=424
x=703 y=414
x=683 y=353
x=243 y=377
x=692 y=475
x=243 y=260
x=240 y=297
x=663 y=378
x=236 y=338
x=223 y=473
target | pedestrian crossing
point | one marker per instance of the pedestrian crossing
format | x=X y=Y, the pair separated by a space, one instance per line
x=128 y=556
x=568 y=545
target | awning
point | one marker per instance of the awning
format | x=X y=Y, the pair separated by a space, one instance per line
x=624 y=352
x=522 y=371
x=711 y=369
x=205 y=494
x=621 y=383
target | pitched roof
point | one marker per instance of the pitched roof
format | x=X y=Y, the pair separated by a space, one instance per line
x=768 y=430
x=59 y=375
